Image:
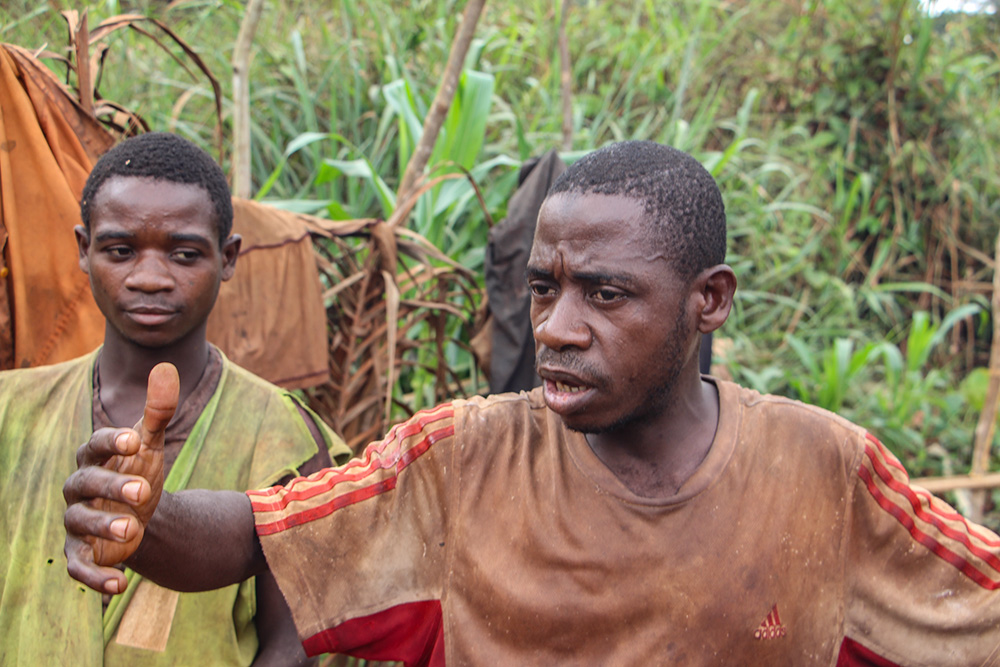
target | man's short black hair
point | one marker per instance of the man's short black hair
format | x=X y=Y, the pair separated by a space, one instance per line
x=165 y=157
x=680 y=197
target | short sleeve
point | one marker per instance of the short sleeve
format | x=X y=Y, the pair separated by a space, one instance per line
x=921 y=579
x=360 y=550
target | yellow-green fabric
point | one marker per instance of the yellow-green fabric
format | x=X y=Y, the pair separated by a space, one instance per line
x=250 y=436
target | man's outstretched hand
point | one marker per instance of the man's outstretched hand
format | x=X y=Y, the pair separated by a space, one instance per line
x=113 y=494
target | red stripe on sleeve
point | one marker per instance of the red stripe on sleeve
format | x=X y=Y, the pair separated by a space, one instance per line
x=337 y=502
x=928 y=512
x=904 y=518
x=412 y=633
x=914 y=495
x=325 y=509
x=357 y=469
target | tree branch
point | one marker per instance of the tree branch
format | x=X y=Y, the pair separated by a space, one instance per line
x=240 y=170
x=986 y=426
x=566 y=79
x=442 y=101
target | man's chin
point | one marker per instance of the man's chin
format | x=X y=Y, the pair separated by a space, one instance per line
x=586 y=426
x=581 y=424
x=151 y=340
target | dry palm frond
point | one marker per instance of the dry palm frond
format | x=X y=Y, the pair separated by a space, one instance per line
x=394 y=302
x=391 y=300
x=87 y=58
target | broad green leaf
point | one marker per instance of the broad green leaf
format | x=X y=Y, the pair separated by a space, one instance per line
x=464 y=128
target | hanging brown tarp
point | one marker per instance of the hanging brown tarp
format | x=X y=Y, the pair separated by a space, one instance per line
x=47 y=147
x=269 y=317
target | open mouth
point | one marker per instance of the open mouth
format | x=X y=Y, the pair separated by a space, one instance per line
x=566 y=398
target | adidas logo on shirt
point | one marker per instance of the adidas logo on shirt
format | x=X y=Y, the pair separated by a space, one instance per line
x=771 y=627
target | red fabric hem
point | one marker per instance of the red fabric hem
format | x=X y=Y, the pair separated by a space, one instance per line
x=412 y=633
x=853 y=654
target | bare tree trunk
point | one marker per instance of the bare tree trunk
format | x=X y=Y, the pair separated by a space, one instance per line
x=986 y=426
x=240 y=174
x=83 y=78
x=565 y=79
x=442 y=101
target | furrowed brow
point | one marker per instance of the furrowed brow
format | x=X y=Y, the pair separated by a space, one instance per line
x=190 y=238
x=114 y=235
x=534 y=273
x=604 y=278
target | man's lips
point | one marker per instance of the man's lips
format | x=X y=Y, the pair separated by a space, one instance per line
x=150 y=315
x=564 y=392
x=560 y=376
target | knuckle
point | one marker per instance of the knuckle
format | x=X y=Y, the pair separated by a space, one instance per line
x=69 y=489
x=82 y=454
x=72 y=519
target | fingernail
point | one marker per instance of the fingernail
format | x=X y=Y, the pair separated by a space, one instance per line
x=131 y=490
x=121 y=442
x=112 y=587
x=118 y=527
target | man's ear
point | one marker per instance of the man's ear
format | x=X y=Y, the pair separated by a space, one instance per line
x=716 y=286
x=230 y=252
x=83 y=245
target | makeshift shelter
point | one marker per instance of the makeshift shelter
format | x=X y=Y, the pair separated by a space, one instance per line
x=269 y=318
x=47 y=148
x=338 y=308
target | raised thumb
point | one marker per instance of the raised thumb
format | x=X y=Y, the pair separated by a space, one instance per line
x=161 y=402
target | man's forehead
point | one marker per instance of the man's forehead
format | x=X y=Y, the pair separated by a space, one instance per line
x=586 y=236
x=147 y=191
x=591 y=220
x=120 y=180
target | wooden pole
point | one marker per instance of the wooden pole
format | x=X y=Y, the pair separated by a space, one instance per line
x=83 y=77
x=986 y=427
x=938 y=485
x=566 y=79
x=240 y=170
x=442 y=101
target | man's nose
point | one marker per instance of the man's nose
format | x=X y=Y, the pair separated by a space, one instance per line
x=562 y=326
x=150 y=274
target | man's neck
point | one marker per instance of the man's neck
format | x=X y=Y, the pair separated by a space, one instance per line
x=124 y=369
x=654 y=457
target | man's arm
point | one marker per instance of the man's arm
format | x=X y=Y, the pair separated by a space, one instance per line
x=117 y=511
x=279 y=641
x=922 y=582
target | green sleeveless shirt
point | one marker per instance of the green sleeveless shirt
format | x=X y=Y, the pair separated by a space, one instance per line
x=249 y=435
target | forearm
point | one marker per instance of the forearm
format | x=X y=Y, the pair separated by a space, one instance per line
x=200 y=540
x=279 y=642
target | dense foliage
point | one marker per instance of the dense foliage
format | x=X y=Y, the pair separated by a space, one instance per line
x=855 y=142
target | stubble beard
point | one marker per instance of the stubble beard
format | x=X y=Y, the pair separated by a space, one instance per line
x=662 y=396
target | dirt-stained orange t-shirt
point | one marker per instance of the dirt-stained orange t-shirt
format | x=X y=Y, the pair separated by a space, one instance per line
x=483 y=532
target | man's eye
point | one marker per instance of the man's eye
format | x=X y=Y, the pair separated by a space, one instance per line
x=187 y=255
x=607 y=294
x=119 y=252
x=540 y=289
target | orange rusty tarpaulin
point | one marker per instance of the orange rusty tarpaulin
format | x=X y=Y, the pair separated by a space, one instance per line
x=47 y=313
x=270 y=317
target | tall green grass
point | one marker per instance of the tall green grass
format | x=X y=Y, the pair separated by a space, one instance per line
x=855 y=144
